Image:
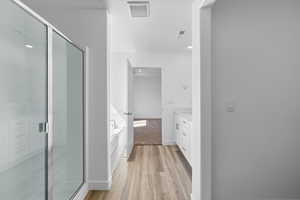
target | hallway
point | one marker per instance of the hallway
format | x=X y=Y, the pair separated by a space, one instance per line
x=153 y=172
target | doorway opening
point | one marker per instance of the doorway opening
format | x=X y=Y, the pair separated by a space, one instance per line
x=147 y=106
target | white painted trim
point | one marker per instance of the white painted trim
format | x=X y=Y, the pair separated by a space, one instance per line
x=202 y=99
x=163 y=118
x=82 y=193
x=100 y=185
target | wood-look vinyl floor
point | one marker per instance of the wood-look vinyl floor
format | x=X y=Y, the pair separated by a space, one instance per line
x=153 y=172
x=150 y=134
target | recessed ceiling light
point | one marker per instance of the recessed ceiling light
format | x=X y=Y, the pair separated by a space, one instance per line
x=190 y=47
x=28 y=46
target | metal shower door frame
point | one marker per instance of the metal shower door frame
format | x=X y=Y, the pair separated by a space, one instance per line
x=49 y=165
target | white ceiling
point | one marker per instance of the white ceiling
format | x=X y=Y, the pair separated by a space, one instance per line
x=157 y=33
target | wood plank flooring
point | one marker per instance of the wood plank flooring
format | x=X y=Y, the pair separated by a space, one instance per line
x=150 y=134
x=154 y=172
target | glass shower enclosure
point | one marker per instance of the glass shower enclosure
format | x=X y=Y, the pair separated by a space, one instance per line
x=41 y=108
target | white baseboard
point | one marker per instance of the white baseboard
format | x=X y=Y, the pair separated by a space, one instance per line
x=100 y=185
x=82 y=192
x=129 y=150
x=115 y=162
x=192 y=196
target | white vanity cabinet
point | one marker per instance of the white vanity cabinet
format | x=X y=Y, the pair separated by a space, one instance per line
x=177 y=130
x=118 y=144
x=183 y=130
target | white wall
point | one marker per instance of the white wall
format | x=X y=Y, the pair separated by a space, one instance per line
x=197 y=178
x=256 y=70
x=176 y=74
x=88 y=27
x=118 y=82
x=147 y=96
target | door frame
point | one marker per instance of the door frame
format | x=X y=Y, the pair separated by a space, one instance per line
x=202 y=100
x=49 y=91
x=130 y=131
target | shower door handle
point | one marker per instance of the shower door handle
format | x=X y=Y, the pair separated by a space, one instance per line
x=43 y=127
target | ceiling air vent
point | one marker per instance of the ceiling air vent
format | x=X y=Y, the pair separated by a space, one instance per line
x=139 y=8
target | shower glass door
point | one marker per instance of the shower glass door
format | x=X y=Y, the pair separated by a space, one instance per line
x=68 y=119
x=23 y=104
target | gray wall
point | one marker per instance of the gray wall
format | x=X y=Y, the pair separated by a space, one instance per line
x=88 y=27
x=256 y=69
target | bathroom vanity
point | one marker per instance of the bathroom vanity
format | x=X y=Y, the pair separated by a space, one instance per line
x=183 y=131
x=117 y=137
